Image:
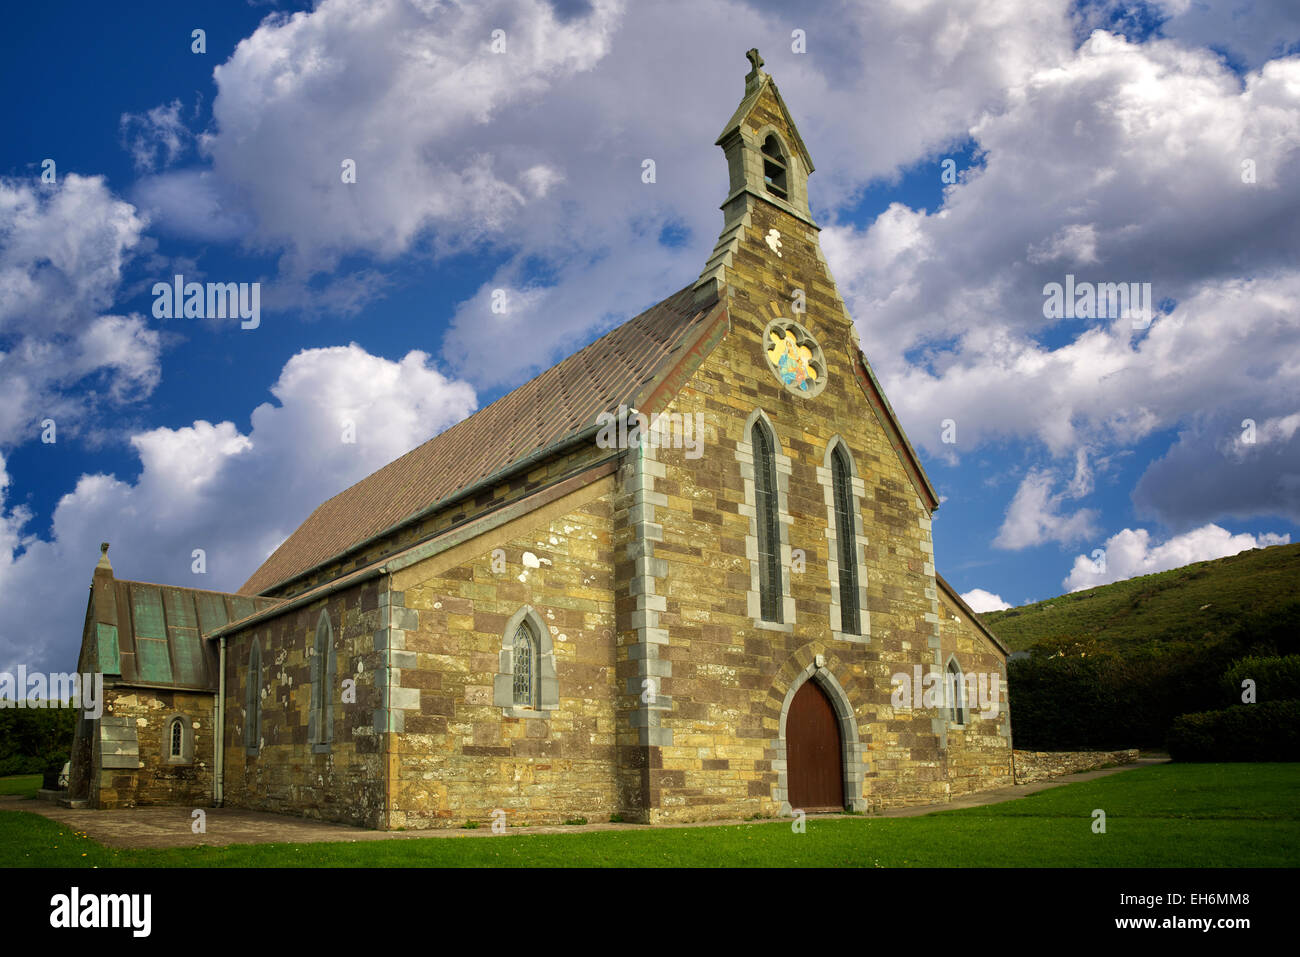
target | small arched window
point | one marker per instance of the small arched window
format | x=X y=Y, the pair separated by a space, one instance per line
x=178 y=740
x=769 y=529
x=774 y=167
x=525 y=685
x=525 y=666
x=956 y=692
x=845 y=539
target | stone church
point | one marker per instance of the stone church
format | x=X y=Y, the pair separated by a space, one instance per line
x=675 y=577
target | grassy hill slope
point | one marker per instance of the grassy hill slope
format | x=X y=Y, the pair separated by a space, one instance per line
x=1199 y=601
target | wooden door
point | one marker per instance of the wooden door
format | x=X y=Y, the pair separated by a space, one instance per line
x=814 y=757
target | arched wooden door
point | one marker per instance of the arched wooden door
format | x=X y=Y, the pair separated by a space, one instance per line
x=814 y=755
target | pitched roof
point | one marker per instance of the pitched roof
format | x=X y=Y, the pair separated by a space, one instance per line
x=155 y=637
x=536 y=417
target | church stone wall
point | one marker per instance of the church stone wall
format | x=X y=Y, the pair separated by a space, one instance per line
x=979 y=750
x=128 y=749
x=461 y=756
x=345 y=782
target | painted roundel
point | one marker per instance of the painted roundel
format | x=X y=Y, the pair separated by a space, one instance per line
x=794 y=357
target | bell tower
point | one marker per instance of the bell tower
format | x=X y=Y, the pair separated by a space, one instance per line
x=767 y=162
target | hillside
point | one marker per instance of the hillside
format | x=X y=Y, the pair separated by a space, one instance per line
x=1195 y=602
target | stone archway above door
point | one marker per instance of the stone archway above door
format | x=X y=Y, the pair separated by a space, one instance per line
x=814 y=751
x=850 y=743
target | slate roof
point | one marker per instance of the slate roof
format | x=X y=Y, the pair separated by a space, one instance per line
x=555 y=406
x=156 y=635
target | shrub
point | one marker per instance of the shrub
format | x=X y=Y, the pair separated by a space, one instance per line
x=19 y=764
x=1277 y=678
x=33 y=740
x=1269 y=731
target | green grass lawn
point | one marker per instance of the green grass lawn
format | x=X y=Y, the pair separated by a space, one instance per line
x=23 y=784
x=1190 y=815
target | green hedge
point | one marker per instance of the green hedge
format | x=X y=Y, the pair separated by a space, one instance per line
x=1277 y=678
x=33 y=740
x=1101 y=701
x=1081 y=693
x=1269 y=731
x=21 y=764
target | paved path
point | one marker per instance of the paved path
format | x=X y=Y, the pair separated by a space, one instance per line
x=154 y=827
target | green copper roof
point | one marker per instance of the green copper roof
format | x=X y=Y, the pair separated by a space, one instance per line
x=157 y=637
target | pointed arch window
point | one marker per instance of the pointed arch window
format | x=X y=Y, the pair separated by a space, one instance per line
x=526 y=666
x=178 y=740
x=845 y=540
x=253 y=699
x=846 y=570
x=770 y=585
x=525 y=685
x=774 y=167
x=320 y=724
x=956 y=691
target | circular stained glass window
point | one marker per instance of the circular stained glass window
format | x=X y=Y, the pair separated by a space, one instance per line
x=794 y=357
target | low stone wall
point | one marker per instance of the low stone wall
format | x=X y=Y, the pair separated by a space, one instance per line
x=1034 y=766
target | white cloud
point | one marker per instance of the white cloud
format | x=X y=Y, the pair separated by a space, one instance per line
x=1035 y=515
x=1130 y=553
x=62 y=252
x=236 y=494
x=413 y=95
x=981 y=601
x=1253 y=30
x=1073 y=245
x=62 y=249
x=457 y=147
x=1121 y=163
x=156 y=137
x=189 y=203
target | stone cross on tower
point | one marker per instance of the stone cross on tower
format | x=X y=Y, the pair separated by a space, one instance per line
x=755 y=60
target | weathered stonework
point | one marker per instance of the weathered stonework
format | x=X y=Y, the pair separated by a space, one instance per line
x=131 y=750
x=460 y=758
x=344 y=781
x=1034 y=766
x=979 y=749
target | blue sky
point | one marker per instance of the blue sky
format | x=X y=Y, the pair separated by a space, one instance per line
x=1102 y=140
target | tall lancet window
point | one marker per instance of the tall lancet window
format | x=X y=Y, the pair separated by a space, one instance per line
x=957 y=691
x=253 y=699
x=769 y=529
x=845 y=540
x=320 y=724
